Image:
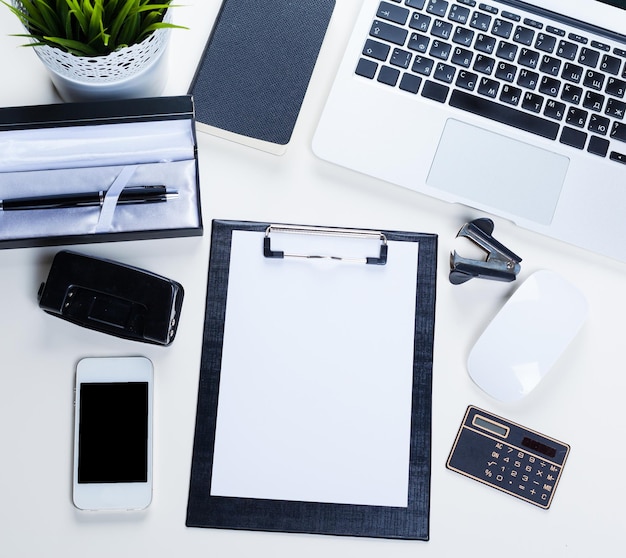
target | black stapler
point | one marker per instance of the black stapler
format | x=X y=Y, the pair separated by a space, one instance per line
x=501 y=264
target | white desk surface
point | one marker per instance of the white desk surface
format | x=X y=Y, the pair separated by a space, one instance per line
x=581 y=402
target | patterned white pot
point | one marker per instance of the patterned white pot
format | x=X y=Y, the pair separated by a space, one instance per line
x=139 y=70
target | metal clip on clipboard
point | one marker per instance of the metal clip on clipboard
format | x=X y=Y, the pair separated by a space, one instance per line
x=501 y=264
x=326 y=231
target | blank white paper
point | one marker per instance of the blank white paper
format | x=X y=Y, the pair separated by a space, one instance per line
x=316 y=378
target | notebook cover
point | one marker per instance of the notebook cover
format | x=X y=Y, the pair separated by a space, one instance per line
x=256 y=68
x=205 y=510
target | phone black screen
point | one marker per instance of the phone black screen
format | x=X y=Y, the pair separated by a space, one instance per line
x=113 y=432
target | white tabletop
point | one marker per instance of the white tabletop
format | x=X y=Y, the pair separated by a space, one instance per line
x=581 y=402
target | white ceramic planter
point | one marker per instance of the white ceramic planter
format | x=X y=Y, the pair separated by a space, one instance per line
x=136 y=71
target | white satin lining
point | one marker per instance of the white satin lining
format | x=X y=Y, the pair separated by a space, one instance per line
x=180 y=212
x=100 y=145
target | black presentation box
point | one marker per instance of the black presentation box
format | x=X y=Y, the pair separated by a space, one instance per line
x=63 y=154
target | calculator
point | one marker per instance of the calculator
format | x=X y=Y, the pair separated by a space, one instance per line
x=508 y=457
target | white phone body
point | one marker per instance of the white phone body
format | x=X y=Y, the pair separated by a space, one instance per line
x=113 y=433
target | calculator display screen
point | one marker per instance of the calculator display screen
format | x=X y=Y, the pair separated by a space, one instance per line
x=538 y=447
x=491 y=426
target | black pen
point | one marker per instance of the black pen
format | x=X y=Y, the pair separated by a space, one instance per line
x=129 y=195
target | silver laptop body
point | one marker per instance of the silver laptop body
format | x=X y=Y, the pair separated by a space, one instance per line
x=513 y=108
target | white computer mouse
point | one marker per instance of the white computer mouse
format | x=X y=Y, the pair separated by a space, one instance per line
x=527 y=336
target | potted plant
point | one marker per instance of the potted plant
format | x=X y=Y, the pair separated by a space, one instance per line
x=99 y=49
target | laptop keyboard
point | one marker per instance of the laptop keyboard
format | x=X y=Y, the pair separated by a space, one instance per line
x=514 y=67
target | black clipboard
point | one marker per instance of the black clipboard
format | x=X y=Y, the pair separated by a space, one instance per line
x=234 y=484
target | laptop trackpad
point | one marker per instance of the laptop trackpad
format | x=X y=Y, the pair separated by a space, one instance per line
x=498 y=172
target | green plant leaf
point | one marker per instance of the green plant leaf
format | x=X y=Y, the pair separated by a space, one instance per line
x=155 y=26
x=75 y=47
x=100 y=26
x=119 y=18
x=76 y=10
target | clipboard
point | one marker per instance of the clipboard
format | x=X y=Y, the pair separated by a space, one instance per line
x=314 y=402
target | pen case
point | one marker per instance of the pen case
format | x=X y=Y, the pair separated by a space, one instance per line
x=109 y=151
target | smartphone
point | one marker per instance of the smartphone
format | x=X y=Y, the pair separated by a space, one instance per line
x=113 y=433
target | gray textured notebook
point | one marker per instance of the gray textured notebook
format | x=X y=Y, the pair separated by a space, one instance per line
x=256 y=67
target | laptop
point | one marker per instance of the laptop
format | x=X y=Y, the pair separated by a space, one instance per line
x=516 y=109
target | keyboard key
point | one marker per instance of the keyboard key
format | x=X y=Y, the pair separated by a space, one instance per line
x=510 y=95
x=601 y=46
x=488 y=8
x=440 y=49
x=417 y=4
x=532 y=102
x=506 y=72
x=578 y=38
x=393 y=13
x=572 y=72
x=441 y=29
x=377 y=50
x=545 y=42
x=418 y=42
x=387 y=32
x=550 y=65
x=504 y=114
x=593 y=101
x=485 y=44
x=594 y=80
x=462 y=57
x=528 y=58
x=618 y=157
x=572 y=94
x=523 y=35
x=463 y=36
x=511 y=16
x=467 y=80
x=422 y=65
x=484 y=64
x=589 y=57
x=400 y=58
x=507 y=51
x=615 y=87
x=366 y=68
x=480 y=21
x=533 y=23
x=610 y=64
x=388 y=75
x=549 y=86
x=437 y=7
x=488 y=87
x=599 y=124
x=555 y=110
x=567 y=50
x=410 y=83
x=573 y=138
x=420 y=22
x=615 y=108
x=435 y=91
x=444 y=72
x=555 y=31
x=528 y=79
x=459 y=14
x=576 y=117
x=502 y=28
